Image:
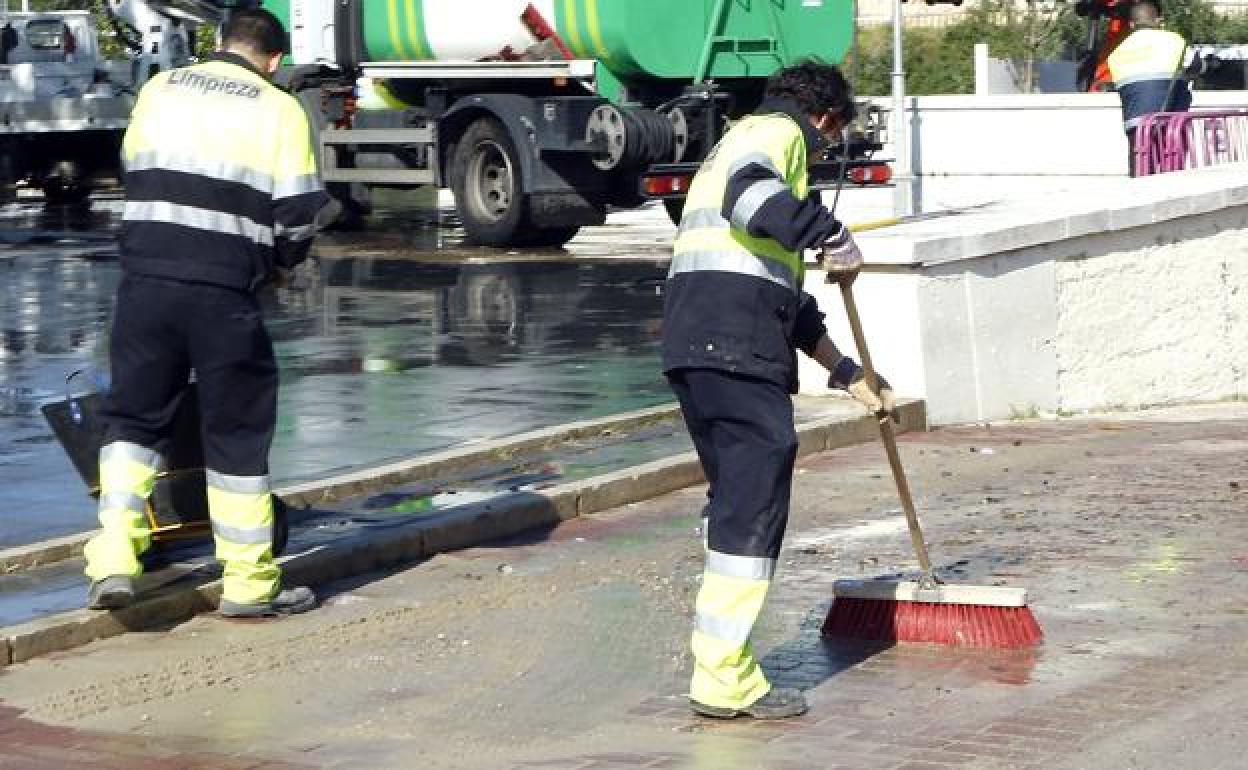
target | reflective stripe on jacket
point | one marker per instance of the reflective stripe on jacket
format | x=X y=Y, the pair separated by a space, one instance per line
x=220 y=176
x=1145 y=68
x=734 y=298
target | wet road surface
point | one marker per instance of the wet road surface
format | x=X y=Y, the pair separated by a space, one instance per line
x=568 y=649
x=391 y=342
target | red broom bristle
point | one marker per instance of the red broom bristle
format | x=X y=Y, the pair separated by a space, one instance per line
x=965 y=625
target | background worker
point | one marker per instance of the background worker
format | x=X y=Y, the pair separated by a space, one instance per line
x=1147 y=69
x=734 y=315
x=222 y=197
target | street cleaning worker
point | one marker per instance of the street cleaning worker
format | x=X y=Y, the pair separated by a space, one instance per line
x=222 y=197
x=1147 y=70
x=734 y=316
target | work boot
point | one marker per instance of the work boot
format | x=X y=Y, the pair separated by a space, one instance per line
x=778 y=703
x=292 y=601
x=111 y=593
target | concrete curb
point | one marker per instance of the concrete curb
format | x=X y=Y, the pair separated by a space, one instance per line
x=368 y=480
x=458 y=528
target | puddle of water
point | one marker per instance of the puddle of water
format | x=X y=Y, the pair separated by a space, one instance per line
x=393 y=342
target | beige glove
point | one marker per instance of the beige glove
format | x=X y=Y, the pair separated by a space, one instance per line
x=840 y=257
x=850 y=377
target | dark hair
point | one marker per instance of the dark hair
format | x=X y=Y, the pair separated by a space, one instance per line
x=1145 y=11
x=816 y=86
x=256 y=29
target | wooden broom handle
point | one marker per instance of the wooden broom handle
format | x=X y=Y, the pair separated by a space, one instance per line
x=885 y=421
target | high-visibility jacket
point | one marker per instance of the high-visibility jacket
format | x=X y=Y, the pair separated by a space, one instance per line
x=1145 y=68
x=733 y=299
x=220 y=176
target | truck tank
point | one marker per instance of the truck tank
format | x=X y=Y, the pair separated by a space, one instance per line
x=539 y=114
x=631 y=39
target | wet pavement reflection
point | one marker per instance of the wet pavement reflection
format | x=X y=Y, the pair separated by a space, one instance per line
x=390 y=343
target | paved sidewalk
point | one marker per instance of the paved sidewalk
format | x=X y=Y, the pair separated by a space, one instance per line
x=567 y=648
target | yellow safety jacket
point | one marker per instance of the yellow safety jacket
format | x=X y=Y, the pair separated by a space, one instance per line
x=734 y=298
x=1145 y=68
x=220 y=176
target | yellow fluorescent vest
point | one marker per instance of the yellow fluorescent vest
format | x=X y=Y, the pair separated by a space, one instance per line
x=709 y=241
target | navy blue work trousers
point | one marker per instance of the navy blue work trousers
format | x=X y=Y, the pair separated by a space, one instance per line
x=162 y=330
x=742 y=428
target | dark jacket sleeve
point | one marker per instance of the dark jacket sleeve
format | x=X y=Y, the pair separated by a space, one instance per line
x=297 y=219
x=758 y=201
x=808 y=327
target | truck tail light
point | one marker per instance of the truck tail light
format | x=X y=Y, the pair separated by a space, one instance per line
x=662 y=185
x=876 y=173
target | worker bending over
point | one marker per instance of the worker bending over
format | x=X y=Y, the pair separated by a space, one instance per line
x=222 y=197
x=734 y=316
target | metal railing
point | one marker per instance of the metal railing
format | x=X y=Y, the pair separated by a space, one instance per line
x=1174 y=141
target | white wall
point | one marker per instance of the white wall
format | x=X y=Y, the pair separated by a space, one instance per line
x=1086 y=301
x=1048 y=134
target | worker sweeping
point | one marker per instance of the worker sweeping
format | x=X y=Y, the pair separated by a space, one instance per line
x=734 y=316
x=222 y=197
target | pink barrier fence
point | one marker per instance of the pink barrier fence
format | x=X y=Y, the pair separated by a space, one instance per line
x=1174 y=141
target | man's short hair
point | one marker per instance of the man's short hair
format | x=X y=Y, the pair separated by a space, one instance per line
x=1145 y=11
x=256 y=29
x=816 y=86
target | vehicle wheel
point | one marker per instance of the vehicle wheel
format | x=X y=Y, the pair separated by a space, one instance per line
x=64 y=185
x=485 y=177
x=675 y=207
x=547 y=237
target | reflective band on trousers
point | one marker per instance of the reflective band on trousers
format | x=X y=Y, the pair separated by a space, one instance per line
x=734 y=630
x=200 y=219
x=241 y=536
x=747 y=567
x=239 y=485
x=124 y=450
x=117 y=500
x=733 y=262
x=753 y=199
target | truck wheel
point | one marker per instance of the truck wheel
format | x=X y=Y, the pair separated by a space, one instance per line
x=485 y=177
x=64 y=185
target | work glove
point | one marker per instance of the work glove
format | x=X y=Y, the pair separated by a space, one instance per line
x=841 y=258
x=847 y=375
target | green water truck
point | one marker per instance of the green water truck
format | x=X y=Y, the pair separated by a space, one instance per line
x=540 y=115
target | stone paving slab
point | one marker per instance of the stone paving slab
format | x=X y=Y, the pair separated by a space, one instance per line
x=568 y=648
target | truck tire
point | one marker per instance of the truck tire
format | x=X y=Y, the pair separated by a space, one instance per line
x=64 y=185
x=485 y=178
